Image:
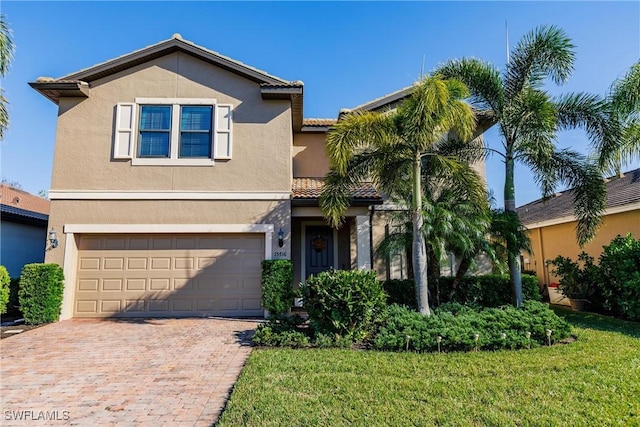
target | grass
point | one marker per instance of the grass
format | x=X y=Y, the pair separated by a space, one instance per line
x=592 y=381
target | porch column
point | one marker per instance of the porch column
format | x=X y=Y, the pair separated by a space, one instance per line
x=363 y=243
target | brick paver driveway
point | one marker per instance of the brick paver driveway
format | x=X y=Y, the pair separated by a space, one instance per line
x=152 y=372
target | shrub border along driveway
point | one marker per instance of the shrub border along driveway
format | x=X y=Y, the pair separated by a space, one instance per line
x=103 y=372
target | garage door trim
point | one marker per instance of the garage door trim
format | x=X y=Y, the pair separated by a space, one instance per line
x=71 y=248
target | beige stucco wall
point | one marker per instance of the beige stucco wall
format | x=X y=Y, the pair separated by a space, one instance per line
x=309 y=155
x=213 y=212
x=262 y=134
x=549 y=242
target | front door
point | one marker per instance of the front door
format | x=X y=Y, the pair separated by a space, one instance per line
x=318 y=249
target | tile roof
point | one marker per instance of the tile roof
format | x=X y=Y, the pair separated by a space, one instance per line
x=310 y=188
x=319 y=122
x=621 y=191
x=19 y=199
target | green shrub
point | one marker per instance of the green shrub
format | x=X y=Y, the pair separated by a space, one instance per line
x=343 y=302
x=495 y=328
x=40 y=293
x=277 y=286
x=5 y=280
x=281 y=332
x=401 y=292
x=492 y=290
x=619 y=285
x=576 y=281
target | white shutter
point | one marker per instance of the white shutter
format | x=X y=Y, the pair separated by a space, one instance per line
x=125 y=125
x=223 y=124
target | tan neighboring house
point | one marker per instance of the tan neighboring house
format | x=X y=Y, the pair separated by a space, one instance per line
x=177 y=171
x=23 y=228
x=552 y=224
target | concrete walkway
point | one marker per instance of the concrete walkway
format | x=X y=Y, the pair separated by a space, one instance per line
x=155 y=372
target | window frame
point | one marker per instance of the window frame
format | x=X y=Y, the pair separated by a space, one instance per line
x=174 y=159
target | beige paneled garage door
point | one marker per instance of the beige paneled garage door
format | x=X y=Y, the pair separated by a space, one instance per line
x=169 y=275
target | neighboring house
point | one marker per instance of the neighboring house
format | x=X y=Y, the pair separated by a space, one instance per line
x=176 y=172
x=552 y=224
x=23 y=228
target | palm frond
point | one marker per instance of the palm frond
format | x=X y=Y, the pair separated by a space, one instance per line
x=7 y=48
x=625 y=92
x=482 y=79
x=353 y=132
x=624 y=104
x=572 y=170
x=543 y=52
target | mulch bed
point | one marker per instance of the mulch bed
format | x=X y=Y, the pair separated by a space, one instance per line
x=13 y=323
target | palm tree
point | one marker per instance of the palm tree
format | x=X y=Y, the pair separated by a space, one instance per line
x=624 y=98
x=390 y=148
x=528 y=119
x=6 y=55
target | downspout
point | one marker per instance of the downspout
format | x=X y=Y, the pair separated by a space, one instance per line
x=371 y=212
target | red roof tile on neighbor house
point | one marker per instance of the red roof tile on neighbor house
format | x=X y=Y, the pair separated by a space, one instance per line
x=310 y=188
x=20 y=199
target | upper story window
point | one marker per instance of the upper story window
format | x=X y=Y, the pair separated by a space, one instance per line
x=157 y=131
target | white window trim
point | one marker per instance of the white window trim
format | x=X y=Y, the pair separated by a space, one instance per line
x=173 y=159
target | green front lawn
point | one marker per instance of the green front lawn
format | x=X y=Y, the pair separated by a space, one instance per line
x=593 y=381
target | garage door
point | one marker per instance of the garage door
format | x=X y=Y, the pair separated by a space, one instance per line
x=169 y=275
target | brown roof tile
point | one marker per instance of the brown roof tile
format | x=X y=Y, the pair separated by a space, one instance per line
x=620 y=191
x=20 y=199
x=310 y=188
x=319 y=122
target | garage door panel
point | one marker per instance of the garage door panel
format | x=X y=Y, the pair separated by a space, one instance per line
x=86 y=263
x=134 y=306
x=113 y=263
x=161 y=243
x=137 y=263
x=112 y=285
x=164 y=275
x=135 y=284
x=110 y=306
x=115 y=243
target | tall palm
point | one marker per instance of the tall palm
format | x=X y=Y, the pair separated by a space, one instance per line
x=389 y=149
x=528 y=119
x=624 y=98
x=6 y=55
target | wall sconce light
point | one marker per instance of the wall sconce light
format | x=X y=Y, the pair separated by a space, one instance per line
x=53 y=238
x=280 y=238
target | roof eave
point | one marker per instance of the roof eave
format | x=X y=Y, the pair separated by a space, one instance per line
x=294 y=93
x=54 y=90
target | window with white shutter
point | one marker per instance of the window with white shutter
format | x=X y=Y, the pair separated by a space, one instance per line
x=125 y=124
x=166 y=131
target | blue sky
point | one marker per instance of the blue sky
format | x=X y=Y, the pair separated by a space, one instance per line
x=346 y=53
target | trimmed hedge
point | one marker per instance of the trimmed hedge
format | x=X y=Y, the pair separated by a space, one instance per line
x=458 y=326
x=344 y=303
x=281 y=332
x=492 y=290
x=40 y=293
x=277 y=286
x=5 y=280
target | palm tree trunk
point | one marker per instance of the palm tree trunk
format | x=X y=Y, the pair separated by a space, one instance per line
x=510 y=208
x=419 y=250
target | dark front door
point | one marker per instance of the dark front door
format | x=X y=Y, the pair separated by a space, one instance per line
x=318 y=249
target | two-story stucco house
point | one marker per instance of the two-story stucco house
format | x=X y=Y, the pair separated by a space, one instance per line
x=176 y=172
